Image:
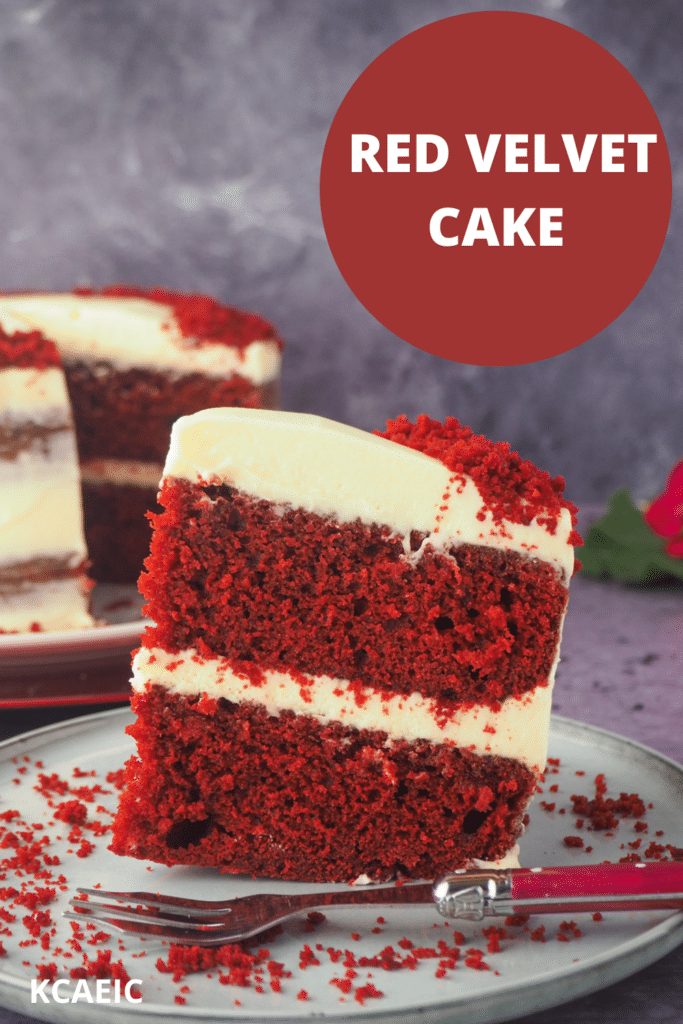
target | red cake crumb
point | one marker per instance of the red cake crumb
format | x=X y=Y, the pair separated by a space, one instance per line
x=513 y=489
x=307 y=958
x=495 y=936
x=604 y=812
x=47 y=972
x=200 y=318
x=475 y=960
x=27 y=350
x=71 y=811
x=101 y=967
x=117 y=778
x=568 y=928
x=51 y=784
x=367 y=992
x=517 y=920
x=113 y=430
x=183 y=960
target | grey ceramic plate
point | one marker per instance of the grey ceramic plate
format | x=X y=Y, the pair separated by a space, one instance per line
x=524 y=976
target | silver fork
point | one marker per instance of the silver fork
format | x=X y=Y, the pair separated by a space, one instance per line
x=465 y=894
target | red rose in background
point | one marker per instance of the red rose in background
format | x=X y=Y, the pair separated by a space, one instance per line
x=665 y=514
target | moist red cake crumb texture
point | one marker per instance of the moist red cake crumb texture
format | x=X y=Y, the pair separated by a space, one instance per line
x=269 y=588
x=228 y=785
x=266 y=587
x=24 y=350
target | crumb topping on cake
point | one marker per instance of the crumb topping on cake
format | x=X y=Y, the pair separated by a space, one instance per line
x=201 y=319
x=512 y=487
x=29 y=350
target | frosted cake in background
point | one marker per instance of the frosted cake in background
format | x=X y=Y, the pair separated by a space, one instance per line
x=356 y=636
x=43 y=585
x=135 y=360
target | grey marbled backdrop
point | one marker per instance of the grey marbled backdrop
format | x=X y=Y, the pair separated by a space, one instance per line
x=178 y=142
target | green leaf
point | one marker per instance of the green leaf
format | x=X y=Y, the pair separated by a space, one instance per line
x=621 y=546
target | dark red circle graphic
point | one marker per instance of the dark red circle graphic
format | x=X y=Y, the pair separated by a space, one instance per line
x=495 y=188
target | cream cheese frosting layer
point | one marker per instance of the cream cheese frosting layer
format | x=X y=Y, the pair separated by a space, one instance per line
x=332 y=469
x=519 y=730
x=35 y=395
x=121 y=472
x=132 y=332
x=40 y=510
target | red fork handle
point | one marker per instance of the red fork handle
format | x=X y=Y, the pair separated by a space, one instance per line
x=598 y=880
x=654 y=886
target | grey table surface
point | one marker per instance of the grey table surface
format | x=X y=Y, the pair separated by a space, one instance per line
x=621 y=669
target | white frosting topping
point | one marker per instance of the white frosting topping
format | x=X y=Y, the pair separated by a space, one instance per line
x=335 y=470
x=40 y=507
x=40 y=510
x=519 y=730
x=37 y=396
x=132 y=332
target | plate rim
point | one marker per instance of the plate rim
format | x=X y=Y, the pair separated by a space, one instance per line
x=599 y=970
x=104 y=636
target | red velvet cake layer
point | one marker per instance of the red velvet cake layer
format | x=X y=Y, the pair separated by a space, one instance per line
x=128 y=414
x=283 y=589
x=226 y=785
x=117 y=530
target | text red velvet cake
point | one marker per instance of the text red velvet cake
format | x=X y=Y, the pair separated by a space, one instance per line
x=355 y=641
x=135 y=361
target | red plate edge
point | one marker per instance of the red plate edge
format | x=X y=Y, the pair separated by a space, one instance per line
x=63 y=701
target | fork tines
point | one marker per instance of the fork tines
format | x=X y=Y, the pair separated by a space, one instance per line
x=147 y=914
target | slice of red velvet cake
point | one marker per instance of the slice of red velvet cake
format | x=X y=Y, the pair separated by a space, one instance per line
x=355 y=641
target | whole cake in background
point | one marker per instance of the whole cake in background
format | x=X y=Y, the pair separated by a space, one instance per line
x=355 y=637
x=43 y=584
x=135 y=360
